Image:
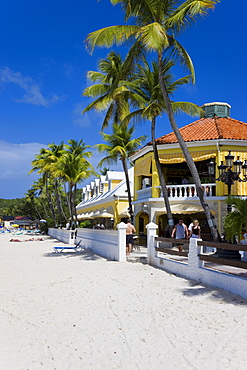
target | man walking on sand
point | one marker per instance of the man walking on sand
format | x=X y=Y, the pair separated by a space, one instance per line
x=129 y=236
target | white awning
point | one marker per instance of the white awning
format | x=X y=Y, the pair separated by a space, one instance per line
x=186 y=208
x=124 y=212
x=96 y=214
x=183 y=208
x=106 y=214
x=81 y=216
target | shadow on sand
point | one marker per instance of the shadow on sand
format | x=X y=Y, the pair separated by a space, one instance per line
x=85 y=254
x=197 y=289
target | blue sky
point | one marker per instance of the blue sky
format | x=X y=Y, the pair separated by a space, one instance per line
x=43 y=68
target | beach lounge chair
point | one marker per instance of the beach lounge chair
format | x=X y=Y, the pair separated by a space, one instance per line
x=77 y=248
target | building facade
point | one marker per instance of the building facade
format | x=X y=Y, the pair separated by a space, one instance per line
x=105 y=200
x=208 y=139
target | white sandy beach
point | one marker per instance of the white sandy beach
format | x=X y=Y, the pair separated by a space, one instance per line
x=80 y=311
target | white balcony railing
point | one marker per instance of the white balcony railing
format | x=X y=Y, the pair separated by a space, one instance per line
x=178 y=191
x=187 y=191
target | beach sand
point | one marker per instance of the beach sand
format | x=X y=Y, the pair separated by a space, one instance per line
x=80 y=311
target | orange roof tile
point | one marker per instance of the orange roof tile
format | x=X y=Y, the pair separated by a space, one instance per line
x=209 y=129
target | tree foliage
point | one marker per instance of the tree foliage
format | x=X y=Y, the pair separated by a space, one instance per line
x=235 y=222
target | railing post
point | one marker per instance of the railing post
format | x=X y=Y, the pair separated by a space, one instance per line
x=72 y=237
x=151 y=233
x=194 y=263
x=122 y=242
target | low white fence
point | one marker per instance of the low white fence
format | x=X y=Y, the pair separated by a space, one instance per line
x=194 y=267
x=110 y=244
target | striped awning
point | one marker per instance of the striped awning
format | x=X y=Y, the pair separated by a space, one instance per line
x=179 y=157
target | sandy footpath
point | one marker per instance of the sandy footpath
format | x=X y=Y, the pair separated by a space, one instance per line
x=80 y=311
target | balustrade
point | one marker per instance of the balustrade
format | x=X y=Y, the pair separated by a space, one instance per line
x=187 y=191
x=179 y=191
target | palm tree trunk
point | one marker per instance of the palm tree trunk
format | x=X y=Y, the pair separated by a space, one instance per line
x=37 y=211
x=187 y=155
x=124 y=162
x=74 y=205
x=50 y=202
x=58 y=202
x=68 y=197
x=44 y=207
x=161 y=177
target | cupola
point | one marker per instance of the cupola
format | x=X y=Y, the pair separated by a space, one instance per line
x=216 y=109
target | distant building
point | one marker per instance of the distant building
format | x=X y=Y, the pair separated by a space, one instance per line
x=105 y=199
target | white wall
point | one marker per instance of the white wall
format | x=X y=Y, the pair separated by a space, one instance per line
x=194 y=268
x=110 y=244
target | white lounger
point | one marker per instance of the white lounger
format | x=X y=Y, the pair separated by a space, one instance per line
x=76 y=248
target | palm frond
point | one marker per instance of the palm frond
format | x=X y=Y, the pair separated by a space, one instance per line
x=106 y=37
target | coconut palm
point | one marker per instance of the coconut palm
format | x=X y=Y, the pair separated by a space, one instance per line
x=111 y=87
x=40 y=165
x=104 y=171
x=111 y=90
x=235 y=222
x=54 y=152
x=154 y=26
x=120 y=145
x=152 y=105
x=32 y=204
x=38 y=189
x=72 y=168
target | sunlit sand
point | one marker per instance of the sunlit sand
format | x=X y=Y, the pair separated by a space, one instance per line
x=80 y=311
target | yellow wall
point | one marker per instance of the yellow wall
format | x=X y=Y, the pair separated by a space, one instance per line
x=114 y=183
x=239 y=188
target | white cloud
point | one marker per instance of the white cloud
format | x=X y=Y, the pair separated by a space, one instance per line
x=15 y=163
x=87 y=119
x=15 y=159
x=32 y=89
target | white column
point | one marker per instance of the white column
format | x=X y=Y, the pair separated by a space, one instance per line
x=72 y=237
x=151 y=233
x=194 y=263
x=122 y=242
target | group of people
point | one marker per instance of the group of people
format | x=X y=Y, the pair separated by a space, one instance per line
x=181 y=231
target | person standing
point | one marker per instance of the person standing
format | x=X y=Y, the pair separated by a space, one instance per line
x=180 y=231
x=129 y=236
x=195 y=230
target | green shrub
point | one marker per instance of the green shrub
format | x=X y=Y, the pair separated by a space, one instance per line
x=86 y=223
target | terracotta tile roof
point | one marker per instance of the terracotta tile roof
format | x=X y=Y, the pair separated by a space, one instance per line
x=209 y=129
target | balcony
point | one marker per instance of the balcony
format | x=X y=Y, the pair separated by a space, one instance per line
x=178 y=191
x=188 y=191
x=144 y=193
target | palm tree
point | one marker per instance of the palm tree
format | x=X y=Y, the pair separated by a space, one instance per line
x=72 y=168
x=31 y=204
x=111 y=92
x=104 y=171
x=152 y=105
x=39 y=191
x=120 y=145
x=110 y=88
x=155 y=24
x=54 y=153
x=40 y=165
x=235 y=222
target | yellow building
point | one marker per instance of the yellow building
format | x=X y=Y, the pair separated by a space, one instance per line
x=105 y=199
x=208 y=139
